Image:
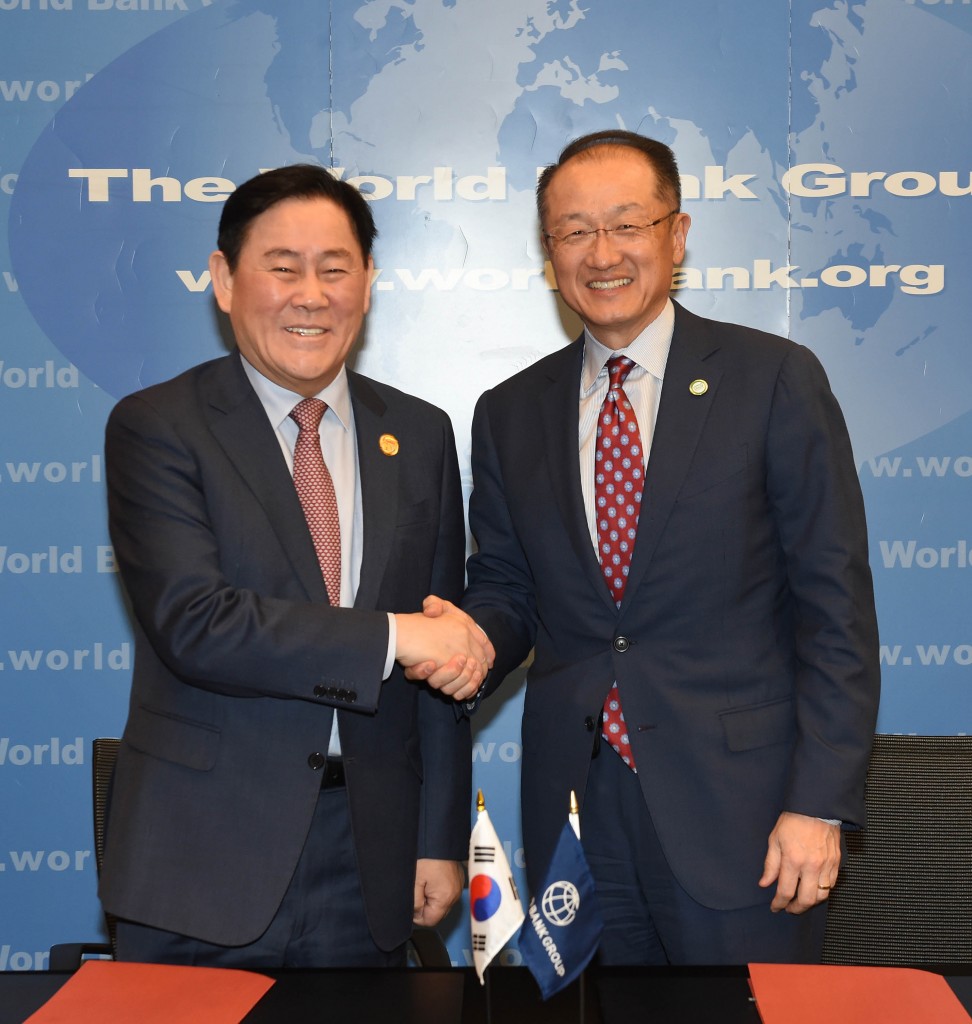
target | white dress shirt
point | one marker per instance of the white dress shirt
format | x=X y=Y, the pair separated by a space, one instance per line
x=649 y=353
x=339 y=446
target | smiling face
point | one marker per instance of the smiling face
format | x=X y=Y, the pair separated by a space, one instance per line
x=299 y=293
x=616 y=286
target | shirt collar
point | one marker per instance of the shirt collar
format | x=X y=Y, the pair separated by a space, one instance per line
x=649 y=350
x=279 y=401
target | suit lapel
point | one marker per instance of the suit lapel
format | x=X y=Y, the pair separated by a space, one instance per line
x=682 y=415
x=558 y=406
x=379 y=489
x=239 y=423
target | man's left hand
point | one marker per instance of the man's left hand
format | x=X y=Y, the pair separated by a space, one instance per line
x=803 y=857
x=438 y=884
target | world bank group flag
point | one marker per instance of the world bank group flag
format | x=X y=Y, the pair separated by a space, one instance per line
x=495 y=911
x=563 y=927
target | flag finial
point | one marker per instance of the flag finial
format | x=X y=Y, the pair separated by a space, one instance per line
x=480 y=802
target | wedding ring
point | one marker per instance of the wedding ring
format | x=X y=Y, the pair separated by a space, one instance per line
x=819 y=886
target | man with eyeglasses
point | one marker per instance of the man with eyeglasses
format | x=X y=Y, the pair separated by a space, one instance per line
x=668 y=512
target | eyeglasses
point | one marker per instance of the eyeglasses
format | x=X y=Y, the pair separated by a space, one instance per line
x=623 y=234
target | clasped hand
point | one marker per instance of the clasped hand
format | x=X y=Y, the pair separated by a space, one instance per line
x=443 y=646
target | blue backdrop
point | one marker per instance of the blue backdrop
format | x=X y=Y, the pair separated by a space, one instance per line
x=826 y=160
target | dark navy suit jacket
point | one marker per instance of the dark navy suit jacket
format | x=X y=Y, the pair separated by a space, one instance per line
x=746 y=645
x=240 y=659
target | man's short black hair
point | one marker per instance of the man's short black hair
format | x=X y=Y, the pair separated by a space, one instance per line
x=298 y=181
x=661 y=158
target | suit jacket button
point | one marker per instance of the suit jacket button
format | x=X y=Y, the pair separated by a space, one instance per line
x=316 y=761
x=319 y=691
x=590 y=724
x=621 y=644
x=352 y=696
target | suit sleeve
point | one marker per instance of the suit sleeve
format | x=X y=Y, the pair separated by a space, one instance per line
x=815 y=494
x=177 y=541
x=500 y=592
x=444 y=732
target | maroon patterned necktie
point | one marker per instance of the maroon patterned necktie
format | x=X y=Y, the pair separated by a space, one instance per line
x=618 y=483
x=316 y=492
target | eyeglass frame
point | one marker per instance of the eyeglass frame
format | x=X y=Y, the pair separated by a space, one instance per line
x=584 y=239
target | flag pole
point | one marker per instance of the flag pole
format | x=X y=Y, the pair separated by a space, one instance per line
x=574 y=818
x=487 y=973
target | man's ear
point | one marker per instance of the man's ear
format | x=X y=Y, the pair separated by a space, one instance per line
x=222 y=280
x=370 y=271
x=680 y=236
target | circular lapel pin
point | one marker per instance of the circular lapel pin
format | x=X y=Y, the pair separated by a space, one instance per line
x=388 y=443
x=698 y=387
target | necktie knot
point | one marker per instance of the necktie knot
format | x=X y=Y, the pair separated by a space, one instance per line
x=308 y=413
x=618 y=369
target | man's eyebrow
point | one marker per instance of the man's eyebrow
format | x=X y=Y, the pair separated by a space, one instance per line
x=344 y=253
x=282 y=251
x=612 y=212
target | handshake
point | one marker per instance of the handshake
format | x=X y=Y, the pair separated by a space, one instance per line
x=443 y=646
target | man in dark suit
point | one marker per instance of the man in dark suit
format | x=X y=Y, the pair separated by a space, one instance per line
x=283 y=796
x=731 y=603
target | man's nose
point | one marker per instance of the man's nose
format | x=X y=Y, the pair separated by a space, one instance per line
x=604 y=250
x=309 y=292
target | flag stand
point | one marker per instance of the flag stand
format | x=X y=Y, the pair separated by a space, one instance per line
x=562 y=932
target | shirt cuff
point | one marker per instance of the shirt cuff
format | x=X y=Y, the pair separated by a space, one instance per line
x=392 y=642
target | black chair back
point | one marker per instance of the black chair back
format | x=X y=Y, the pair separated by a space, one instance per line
x=904 y=892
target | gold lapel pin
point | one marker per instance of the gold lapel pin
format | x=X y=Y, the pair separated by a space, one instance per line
x=388 y=443
x=698 y=387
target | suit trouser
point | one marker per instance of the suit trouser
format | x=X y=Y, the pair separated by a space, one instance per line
x=649 y=918
x=320 y=922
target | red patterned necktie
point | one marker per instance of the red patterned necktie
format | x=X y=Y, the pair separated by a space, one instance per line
x=316 y=492
x=618 y=482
